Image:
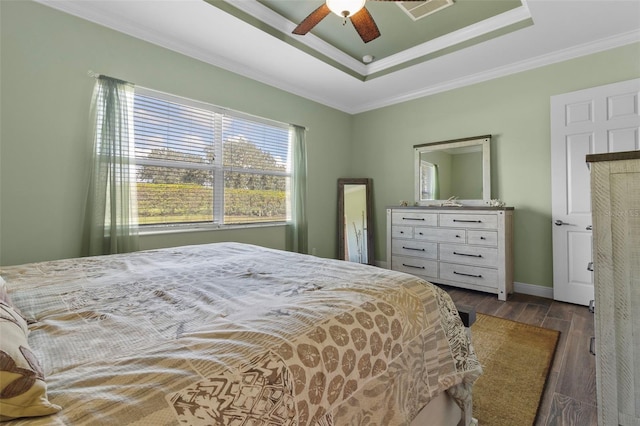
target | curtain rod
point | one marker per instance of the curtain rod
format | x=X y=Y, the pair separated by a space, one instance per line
x=94 y=74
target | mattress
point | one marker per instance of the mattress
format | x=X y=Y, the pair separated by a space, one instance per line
x=236 y=334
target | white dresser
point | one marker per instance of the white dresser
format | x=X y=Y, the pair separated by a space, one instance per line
x=615 y=205
x=468 y=247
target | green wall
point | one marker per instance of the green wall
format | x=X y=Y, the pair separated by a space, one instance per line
x=44 y=151
x=470 y=166
x=515 y=110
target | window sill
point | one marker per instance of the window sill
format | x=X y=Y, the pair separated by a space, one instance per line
x=181 y=229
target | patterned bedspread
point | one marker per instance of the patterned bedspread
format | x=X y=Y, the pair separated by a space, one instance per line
x=234 y=334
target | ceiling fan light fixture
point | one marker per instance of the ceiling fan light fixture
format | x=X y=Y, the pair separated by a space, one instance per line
x=345 y=8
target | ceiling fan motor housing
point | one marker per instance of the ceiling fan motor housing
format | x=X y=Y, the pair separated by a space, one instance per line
x=345 y=8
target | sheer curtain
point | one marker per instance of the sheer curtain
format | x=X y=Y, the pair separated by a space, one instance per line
x=297 y=238
x=111 y=212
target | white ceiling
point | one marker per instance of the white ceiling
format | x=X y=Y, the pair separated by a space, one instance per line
x=562 y=29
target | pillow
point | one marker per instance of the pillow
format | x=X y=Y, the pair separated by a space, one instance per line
x=5 y=298
x=4 y=294
x=23 y=391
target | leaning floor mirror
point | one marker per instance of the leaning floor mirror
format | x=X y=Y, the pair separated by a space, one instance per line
x=355 y=226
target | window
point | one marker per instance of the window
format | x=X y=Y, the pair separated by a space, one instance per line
x=429 y=180
x=197 y=163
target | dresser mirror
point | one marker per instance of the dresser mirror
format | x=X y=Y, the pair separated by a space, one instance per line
x=457 y=168
x=355 y=226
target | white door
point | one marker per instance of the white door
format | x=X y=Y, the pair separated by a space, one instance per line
x=592 y=121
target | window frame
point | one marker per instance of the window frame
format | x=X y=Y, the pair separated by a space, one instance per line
x=217 y=167
x=431 y=168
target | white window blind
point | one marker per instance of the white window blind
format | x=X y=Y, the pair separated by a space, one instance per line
x=199 y=163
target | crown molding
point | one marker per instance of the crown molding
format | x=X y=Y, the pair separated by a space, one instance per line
x=86 y=10
x=526 y=65
x=454 y=38
x=280 y=23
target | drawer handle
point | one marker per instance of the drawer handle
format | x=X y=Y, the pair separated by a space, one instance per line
x=482 y=238
x=467 y=275
x=411 y=248
x=413 y=218
x=402 y=232
x=467 y=254
x=420 y=233
x=467 y=221
x=413 y=266
x=592 y=346
x=458 y=236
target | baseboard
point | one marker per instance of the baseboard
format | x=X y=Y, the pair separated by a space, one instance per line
x=533 y=290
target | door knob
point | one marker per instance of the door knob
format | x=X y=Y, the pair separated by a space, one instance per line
x=560 y=223
x=590 y=228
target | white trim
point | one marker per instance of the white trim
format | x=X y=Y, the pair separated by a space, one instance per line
x=526 y=65
x=278 y=22
x=533 y=290
x=201 y=227
x=84 y=10
x=451 y=39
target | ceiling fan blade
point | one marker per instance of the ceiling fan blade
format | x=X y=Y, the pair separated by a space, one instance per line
x=312 y=20
x=365 y=25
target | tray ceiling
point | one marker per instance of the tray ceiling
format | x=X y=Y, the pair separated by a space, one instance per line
x=404 y=41
x=468 y=42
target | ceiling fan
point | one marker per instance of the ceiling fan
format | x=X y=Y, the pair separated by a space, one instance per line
x=353 y=9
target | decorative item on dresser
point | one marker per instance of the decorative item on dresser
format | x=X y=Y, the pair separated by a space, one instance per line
x=615 y=202
x=469 y=247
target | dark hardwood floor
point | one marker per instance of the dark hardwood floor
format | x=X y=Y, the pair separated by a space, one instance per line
x=570 y=394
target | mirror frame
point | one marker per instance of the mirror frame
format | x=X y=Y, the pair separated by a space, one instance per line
x=368 y=182
x=483 y=141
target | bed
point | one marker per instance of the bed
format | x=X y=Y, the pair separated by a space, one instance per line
x=229 y=334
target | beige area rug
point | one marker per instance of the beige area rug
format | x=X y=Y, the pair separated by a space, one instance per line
x=516 y=359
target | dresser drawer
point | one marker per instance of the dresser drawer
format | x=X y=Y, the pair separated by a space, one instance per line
x=483 y=238
x=415 y=266
x=469 y=255
x=410 y=217
x=415 y=248
x=439 y=234
x=402 y=232
x=476 y=221
x=484 y=277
